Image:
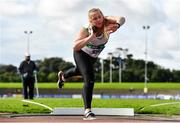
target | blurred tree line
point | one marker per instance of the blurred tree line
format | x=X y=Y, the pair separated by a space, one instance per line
x=132 y=71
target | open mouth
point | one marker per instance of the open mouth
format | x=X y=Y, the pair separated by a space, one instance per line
x=99 y=24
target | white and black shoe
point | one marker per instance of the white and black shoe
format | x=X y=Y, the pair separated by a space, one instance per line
x=89 y=116
x=60 y=82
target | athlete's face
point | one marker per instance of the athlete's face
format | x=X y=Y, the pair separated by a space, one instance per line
x=96 y=19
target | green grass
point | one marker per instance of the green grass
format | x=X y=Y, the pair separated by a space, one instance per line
x=100 y=85
x=15 y=105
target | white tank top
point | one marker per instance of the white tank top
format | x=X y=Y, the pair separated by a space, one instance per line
x=94 y=47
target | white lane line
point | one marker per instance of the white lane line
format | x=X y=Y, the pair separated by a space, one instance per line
x=36 y=103
x=155 y=105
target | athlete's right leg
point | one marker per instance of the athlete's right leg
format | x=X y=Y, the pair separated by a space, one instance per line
x=62 y=76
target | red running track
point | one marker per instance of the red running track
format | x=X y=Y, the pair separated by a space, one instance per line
x=78 y=119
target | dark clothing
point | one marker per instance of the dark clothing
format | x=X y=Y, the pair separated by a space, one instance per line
x=26 y=69
x=28 y=84
x=84 y=67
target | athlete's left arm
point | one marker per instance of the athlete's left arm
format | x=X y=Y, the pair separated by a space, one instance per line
x=114 y=23
x=115 y=19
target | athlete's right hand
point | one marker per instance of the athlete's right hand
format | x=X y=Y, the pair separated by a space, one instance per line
x=92 y=34
x=90 y=30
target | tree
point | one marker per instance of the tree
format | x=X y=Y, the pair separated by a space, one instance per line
x=161 y=75
x=8 y=68
x=176 y=76
x=133 y=72
x=8 y=73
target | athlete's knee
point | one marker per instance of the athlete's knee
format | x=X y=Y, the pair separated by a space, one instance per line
x=89 y=84
x=88 y=78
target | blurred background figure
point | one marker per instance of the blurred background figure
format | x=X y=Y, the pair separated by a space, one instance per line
x=28 y=70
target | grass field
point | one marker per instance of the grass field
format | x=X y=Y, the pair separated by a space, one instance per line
x=100 y=85
x=15 y=105
x=141 y=106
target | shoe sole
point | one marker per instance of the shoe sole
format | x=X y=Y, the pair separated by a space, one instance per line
x=89 y=118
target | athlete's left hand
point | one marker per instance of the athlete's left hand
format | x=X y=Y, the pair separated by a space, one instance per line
x=112 y=28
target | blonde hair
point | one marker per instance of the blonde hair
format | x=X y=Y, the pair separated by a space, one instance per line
x=94 y=10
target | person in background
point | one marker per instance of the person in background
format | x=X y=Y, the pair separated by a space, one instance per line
x=88 y=44
x=27 y=70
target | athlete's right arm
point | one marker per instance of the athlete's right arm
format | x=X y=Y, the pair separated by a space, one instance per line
x=82 y=38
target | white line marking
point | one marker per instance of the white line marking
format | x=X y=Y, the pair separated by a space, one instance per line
x=155 y=105
x=164 y=104
x=36 y=103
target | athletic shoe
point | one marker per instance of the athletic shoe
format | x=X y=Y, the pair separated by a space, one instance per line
x=60 y=82
x=89 y=116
